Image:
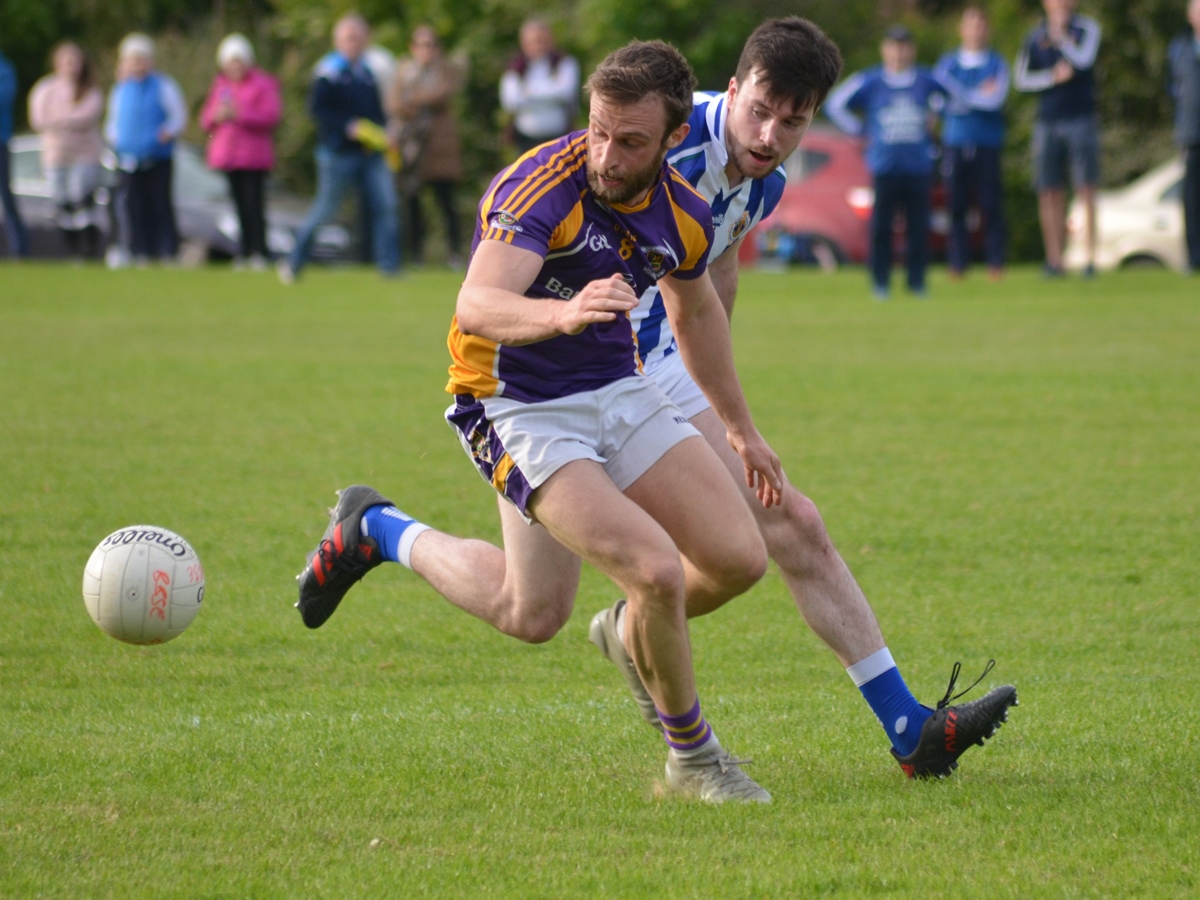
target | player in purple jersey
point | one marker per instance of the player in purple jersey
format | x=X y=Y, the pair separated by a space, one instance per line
x=594 y=464
x=786 y=69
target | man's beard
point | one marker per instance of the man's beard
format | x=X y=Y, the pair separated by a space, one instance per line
x=632 y=184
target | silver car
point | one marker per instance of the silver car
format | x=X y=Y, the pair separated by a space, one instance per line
x=1140 y=224
x=208 y=223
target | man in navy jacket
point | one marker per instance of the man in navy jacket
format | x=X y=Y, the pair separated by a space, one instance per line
x=345 y=103
x=1184 y=56
x=17 y=237
x=1057 y=62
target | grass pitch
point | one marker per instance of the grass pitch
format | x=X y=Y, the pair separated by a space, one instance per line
x=1010 y=470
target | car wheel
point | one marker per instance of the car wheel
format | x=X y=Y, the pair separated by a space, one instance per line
x=1142 y=261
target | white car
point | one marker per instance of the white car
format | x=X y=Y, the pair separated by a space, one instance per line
x=1140 y=224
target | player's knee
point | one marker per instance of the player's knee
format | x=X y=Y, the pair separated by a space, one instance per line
x=796 y=521
x=659 y=580
x=742 y=564
x=537 y=619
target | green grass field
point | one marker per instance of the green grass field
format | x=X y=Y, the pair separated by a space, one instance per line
x=1010 y=470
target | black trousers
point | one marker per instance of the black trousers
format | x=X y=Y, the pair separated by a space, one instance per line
x=443 y=193
x=248 y=187
x=152 y=230
x=1191 y=206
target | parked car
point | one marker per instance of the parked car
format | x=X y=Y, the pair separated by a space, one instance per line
x=208 y=223
x=1140 y=224
x=824 y=215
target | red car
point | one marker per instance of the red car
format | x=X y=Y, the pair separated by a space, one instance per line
x=824 y=215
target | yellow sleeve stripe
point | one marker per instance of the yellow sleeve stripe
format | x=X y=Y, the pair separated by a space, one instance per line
x=695 y=242
x=567 y=228
x=559 y=167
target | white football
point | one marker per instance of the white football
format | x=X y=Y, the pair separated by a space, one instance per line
x=143 y=585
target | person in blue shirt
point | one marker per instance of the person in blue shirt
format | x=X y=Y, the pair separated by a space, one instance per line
x=346 y=104
x=1184 y=61
x=18 y=237
x=972 y=137
x=146 y=113
x=1057 y=62
x=894 y=106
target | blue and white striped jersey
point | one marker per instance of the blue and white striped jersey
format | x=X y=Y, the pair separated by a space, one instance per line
x=701 y=159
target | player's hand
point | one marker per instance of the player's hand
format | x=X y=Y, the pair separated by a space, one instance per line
x=599 y=301
x=1063 y=71
x=764 y=473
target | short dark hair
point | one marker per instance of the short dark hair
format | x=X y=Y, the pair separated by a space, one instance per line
x=797 y=60
x=642 y=69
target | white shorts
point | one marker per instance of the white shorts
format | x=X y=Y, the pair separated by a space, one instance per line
x=670 y=374
x=626 y=426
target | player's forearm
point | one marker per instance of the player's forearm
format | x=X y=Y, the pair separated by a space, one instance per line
x=707 y=350
x=506 y=317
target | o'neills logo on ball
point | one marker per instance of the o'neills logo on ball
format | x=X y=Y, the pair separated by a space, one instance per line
x=172 y=543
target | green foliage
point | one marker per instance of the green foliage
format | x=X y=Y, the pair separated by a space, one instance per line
x=1009 y=470
x=292 y=34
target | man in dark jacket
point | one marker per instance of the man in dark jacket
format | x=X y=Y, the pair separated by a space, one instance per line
x=345 y=102
x=1184 y=56
x=17 y=236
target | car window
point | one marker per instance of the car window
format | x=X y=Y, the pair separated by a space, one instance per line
x=1173 y=193
x=27 y=165
x=195 y=180
x=804 y=163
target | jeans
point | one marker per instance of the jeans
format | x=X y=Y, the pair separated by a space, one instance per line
x=892 y=192
x=336 y=173
x=18 y=237
x=975 y=170
x=1191 y=206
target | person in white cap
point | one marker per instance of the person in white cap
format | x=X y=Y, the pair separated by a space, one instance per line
x=240 y=114
x=146 y=113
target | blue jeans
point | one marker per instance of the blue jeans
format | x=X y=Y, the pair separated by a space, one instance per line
x=336 y=174
x=18 y=237
x=892 y=192
x=975 y=170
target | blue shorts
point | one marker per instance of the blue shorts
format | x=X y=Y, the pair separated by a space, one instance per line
x=1073 y=146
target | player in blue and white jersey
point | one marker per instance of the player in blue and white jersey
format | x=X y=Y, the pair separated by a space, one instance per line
x=973 y=137
x=892 y=105
x=552 y=409
x=732 y=155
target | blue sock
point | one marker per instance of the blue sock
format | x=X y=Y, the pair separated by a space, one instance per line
x=393 y=531
x=890 y=699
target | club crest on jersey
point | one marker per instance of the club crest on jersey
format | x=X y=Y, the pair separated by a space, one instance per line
x=661 y=261
x=739 y=227
x=505 y=221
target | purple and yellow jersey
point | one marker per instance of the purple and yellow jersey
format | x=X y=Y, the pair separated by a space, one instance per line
x=542 y=203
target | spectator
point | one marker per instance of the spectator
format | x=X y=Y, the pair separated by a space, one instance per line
x=66 y=108
x=146 y=113
x=425 y=128
x=1056 y=62
x=345 y=102
x=973 y=135
x=893 y=105
x=18 y=238
x=240 y=114
x=540 y=88
x=1184 y=56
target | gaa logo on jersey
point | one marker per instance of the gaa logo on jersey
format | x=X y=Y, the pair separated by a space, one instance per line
x=739 y=227
x=661 y=260
x=506 y=221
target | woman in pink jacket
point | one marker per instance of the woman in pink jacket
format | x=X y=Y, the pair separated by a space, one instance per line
x=240 y=114
x=66 y=107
